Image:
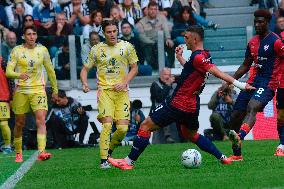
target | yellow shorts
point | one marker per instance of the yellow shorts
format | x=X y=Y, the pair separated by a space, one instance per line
x=24 y=103
x=113 y=104
x=4 y=111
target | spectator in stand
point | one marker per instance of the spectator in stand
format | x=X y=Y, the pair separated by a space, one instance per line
x=177 y=8
x=15 y=14
x=221 y=104
x=94 y=40
x=8 y=45
x=44 y=15
x=4 y=24
x=278 y=13
x=164 y=6
x=58 y=32
x=28 y=21
x=102 y=5
x=148 y=28
x=128 y=35
x=3 y=18
x=136 y=118
x=62 y=62
x=68 y=117
x=96 y=19
x=131 y=10
x=77 y=14
x=117 y=15
x=161 y=90
x=185 y=20
x=279 y=25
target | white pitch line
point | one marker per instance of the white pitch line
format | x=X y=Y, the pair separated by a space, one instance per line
x=18 y=175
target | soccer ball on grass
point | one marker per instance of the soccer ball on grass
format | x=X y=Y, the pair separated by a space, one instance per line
x=191 y=158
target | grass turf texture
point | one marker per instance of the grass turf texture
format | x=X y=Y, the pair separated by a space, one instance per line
x=8 y=165
x=159 y=167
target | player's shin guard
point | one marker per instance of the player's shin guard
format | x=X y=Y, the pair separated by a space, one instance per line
x=41 y=142
x=104 y=140
x=118 y=136
x=139 y=144
x=244 y=130
x=206 y=145
x=18 y=144
x=6 y=133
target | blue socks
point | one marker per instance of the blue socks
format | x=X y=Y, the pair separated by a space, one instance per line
x=206 y=145
x=139 y=145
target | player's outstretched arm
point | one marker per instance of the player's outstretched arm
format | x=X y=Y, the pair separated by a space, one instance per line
x=241 y=85
x=84 y=80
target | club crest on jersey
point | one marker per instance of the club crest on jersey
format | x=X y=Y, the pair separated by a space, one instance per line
x=31 y=63
x=266 y=47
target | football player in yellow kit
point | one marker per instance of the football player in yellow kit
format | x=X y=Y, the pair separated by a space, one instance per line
x=26 y=65
x=112 y=59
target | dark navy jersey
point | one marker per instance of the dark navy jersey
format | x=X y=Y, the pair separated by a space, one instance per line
x=192 y=80
x=266 y=68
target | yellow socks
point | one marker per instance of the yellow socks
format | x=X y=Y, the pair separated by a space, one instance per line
x=41 y=142
x=104 y=140
x=18 y=144
x=118 y=136
x=6 y=133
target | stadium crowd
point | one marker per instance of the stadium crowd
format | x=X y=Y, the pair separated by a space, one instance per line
x=138 y=21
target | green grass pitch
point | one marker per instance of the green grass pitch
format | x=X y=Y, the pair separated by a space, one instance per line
x=158 y=168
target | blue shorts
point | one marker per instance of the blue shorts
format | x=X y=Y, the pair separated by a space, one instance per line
x=261 y=94
x=280 y=98
x=165 y=114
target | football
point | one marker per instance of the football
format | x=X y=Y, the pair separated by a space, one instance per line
x=191 y=158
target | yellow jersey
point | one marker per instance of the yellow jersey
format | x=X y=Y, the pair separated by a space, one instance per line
x=112 y=62
x=31 y=61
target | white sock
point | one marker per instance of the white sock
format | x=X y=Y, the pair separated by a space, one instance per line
x=223 y=157
x=129 y=161
x=281 y=146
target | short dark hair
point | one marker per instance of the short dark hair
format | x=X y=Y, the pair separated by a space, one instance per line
x=32 y=27
x=93 y=33
x=263 y=13
x=196 y=29
x=152 y=4
x=61 y=94
x=108 y=22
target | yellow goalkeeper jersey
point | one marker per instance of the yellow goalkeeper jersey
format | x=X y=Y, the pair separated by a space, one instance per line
x=112 y=62
x=32 y=62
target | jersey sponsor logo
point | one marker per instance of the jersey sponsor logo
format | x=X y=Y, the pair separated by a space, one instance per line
x=266 y=47
x=206 y=60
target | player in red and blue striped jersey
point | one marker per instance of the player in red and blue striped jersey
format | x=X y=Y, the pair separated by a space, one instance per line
x=280 y=104
x=265 y=50
x=183 y=107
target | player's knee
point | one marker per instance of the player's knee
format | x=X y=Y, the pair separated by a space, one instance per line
x=122 y=128
x=193 y=136
x=40 y=122
x=20 y=123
